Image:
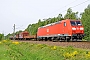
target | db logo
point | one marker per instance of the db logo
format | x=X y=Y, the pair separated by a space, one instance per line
x=47 y=30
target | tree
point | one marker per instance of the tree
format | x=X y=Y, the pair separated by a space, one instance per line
x=1 y=36
x=39 y=23
x=71 y=15
x=60 y=17
x=18 y=32
x=85 y=17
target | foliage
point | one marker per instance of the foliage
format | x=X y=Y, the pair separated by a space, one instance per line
x=1 y=36
x=14 y=50
x=18 y=32
x=71 y=15
x=86 y=22
x=7 y=37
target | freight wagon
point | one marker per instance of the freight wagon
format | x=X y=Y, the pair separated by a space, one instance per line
x=23 y=36
x=62 y=30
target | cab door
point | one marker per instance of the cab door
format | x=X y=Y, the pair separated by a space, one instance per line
x=65 y=28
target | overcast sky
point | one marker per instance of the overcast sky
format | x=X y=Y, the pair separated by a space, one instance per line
x=25 y=12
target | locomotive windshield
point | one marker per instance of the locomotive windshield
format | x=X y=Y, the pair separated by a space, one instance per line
x=74 y=23
x=78 y=23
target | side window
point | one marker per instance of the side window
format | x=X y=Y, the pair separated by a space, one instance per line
x=64 y=23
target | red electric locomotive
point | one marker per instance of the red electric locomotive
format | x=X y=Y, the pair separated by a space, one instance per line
x=62 y=30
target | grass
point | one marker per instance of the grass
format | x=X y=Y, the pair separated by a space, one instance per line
x=10 y=50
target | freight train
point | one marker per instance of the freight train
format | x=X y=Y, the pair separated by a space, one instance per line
x=67 y=30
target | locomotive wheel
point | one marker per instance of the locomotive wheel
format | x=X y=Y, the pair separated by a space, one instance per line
x=45 y=38
x=67 y=38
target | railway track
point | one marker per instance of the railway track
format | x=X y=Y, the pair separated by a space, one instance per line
x=80 y=44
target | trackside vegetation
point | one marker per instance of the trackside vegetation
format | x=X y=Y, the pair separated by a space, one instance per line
x=1 y=36
x=14 y=50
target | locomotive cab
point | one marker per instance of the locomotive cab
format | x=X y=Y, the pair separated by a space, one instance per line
x=77 y=29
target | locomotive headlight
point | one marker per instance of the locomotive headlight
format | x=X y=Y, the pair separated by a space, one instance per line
x=73 y=28
x=81 y=28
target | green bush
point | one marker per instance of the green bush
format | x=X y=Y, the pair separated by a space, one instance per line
x=1 y=36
